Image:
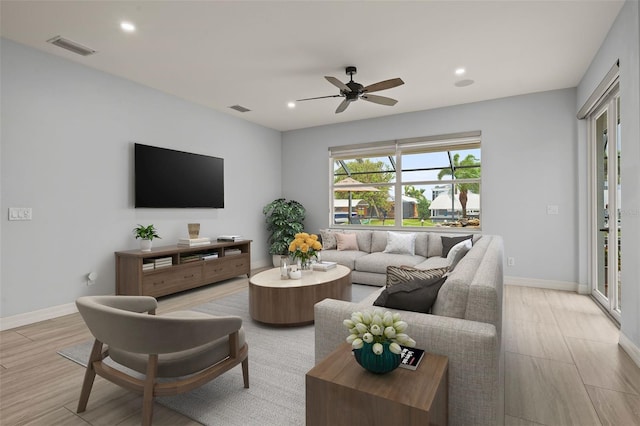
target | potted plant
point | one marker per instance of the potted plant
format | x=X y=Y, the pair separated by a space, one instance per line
x=376 y=338
x=284 y=220
x=146 y=235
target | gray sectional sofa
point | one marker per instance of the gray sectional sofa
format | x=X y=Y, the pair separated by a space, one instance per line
x=465 y=324
x=369 y=263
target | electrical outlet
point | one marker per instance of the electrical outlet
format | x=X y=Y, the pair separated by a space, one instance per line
x=20 y=213
x=511 y=261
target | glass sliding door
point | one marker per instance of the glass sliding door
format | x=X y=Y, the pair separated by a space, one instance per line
x=606 y=203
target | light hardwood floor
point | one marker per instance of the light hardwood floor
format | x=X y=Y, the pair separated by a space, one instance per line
x=562 y=367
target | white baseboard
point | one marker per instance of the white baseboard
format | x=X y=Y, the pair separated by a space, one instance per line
x=61 y=310
x=36 y=316
x=630 y=348
x=549 y=284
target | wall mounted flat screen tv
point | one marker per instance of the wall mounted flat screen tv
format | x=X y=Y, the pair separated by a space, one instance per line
x=165 y=178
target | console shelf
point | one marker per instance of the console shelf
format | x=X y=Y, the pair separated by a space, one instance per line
x=172 y=269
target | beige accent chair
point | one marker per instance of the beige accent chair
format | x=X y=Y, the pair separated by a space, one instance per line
x=189 y=347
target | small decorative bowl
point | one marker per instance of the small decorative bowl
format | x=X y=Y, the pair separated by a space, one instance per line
x=295 y=275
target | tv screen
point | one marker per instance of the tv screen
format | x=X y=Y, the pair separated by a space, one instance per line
x=169 y=178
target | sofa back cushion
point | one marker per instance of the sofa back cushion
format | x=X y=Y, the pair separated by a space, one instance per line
x=473 y=290
x=378 y=241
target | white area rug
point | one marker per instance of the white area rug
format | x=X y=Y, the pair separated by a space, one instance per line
x=279 y=358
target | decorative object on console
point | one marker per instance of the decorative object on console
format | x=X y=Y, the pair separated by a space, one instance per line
x=305 y=247
x=230 y=238
x=376 y=337
x=146 y=235
x=284 y=220
x=194 y=230
x=194 y=242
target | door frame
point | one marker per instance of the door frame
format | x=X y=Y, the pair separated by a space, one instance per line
x=607 y=102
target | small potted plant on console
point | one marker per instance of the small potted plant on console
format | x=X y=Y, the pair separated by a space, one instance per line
x=146 y=235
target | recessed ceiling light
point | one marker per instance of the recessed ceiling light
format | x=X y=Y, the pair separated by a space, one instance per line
x=291 y=104
x=460 y=71
x=127 y=27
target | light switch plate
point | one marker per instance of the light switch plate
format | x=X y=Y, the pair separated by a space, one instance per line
x=20 y=213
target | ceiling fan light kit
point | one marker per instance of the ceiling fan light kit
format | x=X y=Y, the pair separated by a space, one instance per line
x=352 y=91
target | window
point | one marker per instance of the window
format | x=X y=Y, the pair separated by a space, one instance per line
x=418 y=182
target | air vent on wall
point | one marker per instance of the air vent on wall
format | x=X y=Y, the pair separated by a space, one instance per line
x=72 y=46
x=240 y=108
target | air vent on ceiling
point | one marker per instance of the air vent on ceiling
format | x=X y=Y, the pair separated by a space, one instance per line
x=72 y=46
x=240 y=108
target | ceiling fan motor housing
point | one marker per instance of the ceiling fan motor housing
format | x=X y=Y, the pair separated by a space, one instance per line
x=356 y=90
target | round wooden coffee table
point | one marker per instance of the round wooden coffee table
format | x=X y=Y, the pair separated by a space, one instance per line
x=290 y=302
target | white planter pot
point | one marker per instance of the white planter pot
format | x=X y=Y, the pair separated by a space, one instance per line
x=145 y=245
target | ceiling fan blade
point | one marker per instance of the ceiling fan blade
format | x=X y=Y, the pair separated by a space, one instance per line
x=383 y=85
x=340 y=85
x=382 y=100
x=343 y=105
x=319 y=97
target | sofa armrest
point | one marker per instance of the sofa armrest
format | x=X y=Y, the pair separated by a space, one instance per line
x=472 y=347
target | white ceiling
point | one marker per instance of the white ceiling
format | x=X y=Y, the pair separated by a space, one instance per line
x=263 y=54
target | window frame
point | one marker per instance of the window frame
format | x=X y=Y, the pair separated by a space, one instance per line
x=395 y=150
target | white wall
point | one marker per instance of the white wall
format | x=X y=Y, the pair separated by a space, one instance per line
x=528 y=162
x=67 y=152
x=623 y=42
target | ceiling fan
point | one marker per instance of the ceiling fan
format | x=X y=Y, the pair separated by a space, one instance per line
x=353 y=91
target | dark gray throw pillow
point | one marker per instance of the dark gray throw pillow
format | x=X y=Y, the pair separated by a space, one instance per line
x=401 y=274
x=417 y=295
x=449 y=242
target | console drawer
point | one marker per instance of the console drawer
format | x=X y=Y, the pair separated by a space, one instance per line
x=226 y=267
x=173 y=279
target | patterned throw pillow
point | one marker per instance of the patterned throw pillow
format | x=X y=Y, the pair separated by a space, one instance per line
x=398 y=274
x=328 y=239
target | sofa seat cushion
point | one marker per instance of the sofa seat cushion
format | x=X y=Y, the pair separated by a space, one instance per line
x=378 y=262
x=433 y=262
x=345 y=257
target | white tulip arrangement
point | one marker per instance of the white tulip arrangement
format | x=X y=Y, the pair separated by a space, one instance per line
x=378 y=327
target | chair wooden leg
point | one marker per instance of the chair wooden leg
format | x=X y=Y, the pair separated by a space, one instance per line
x=89 y=376
x=245 y=371
x=149 y=385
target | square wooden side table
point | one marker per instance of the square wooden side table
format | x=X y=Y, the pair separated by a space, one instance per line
x=340 y=392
